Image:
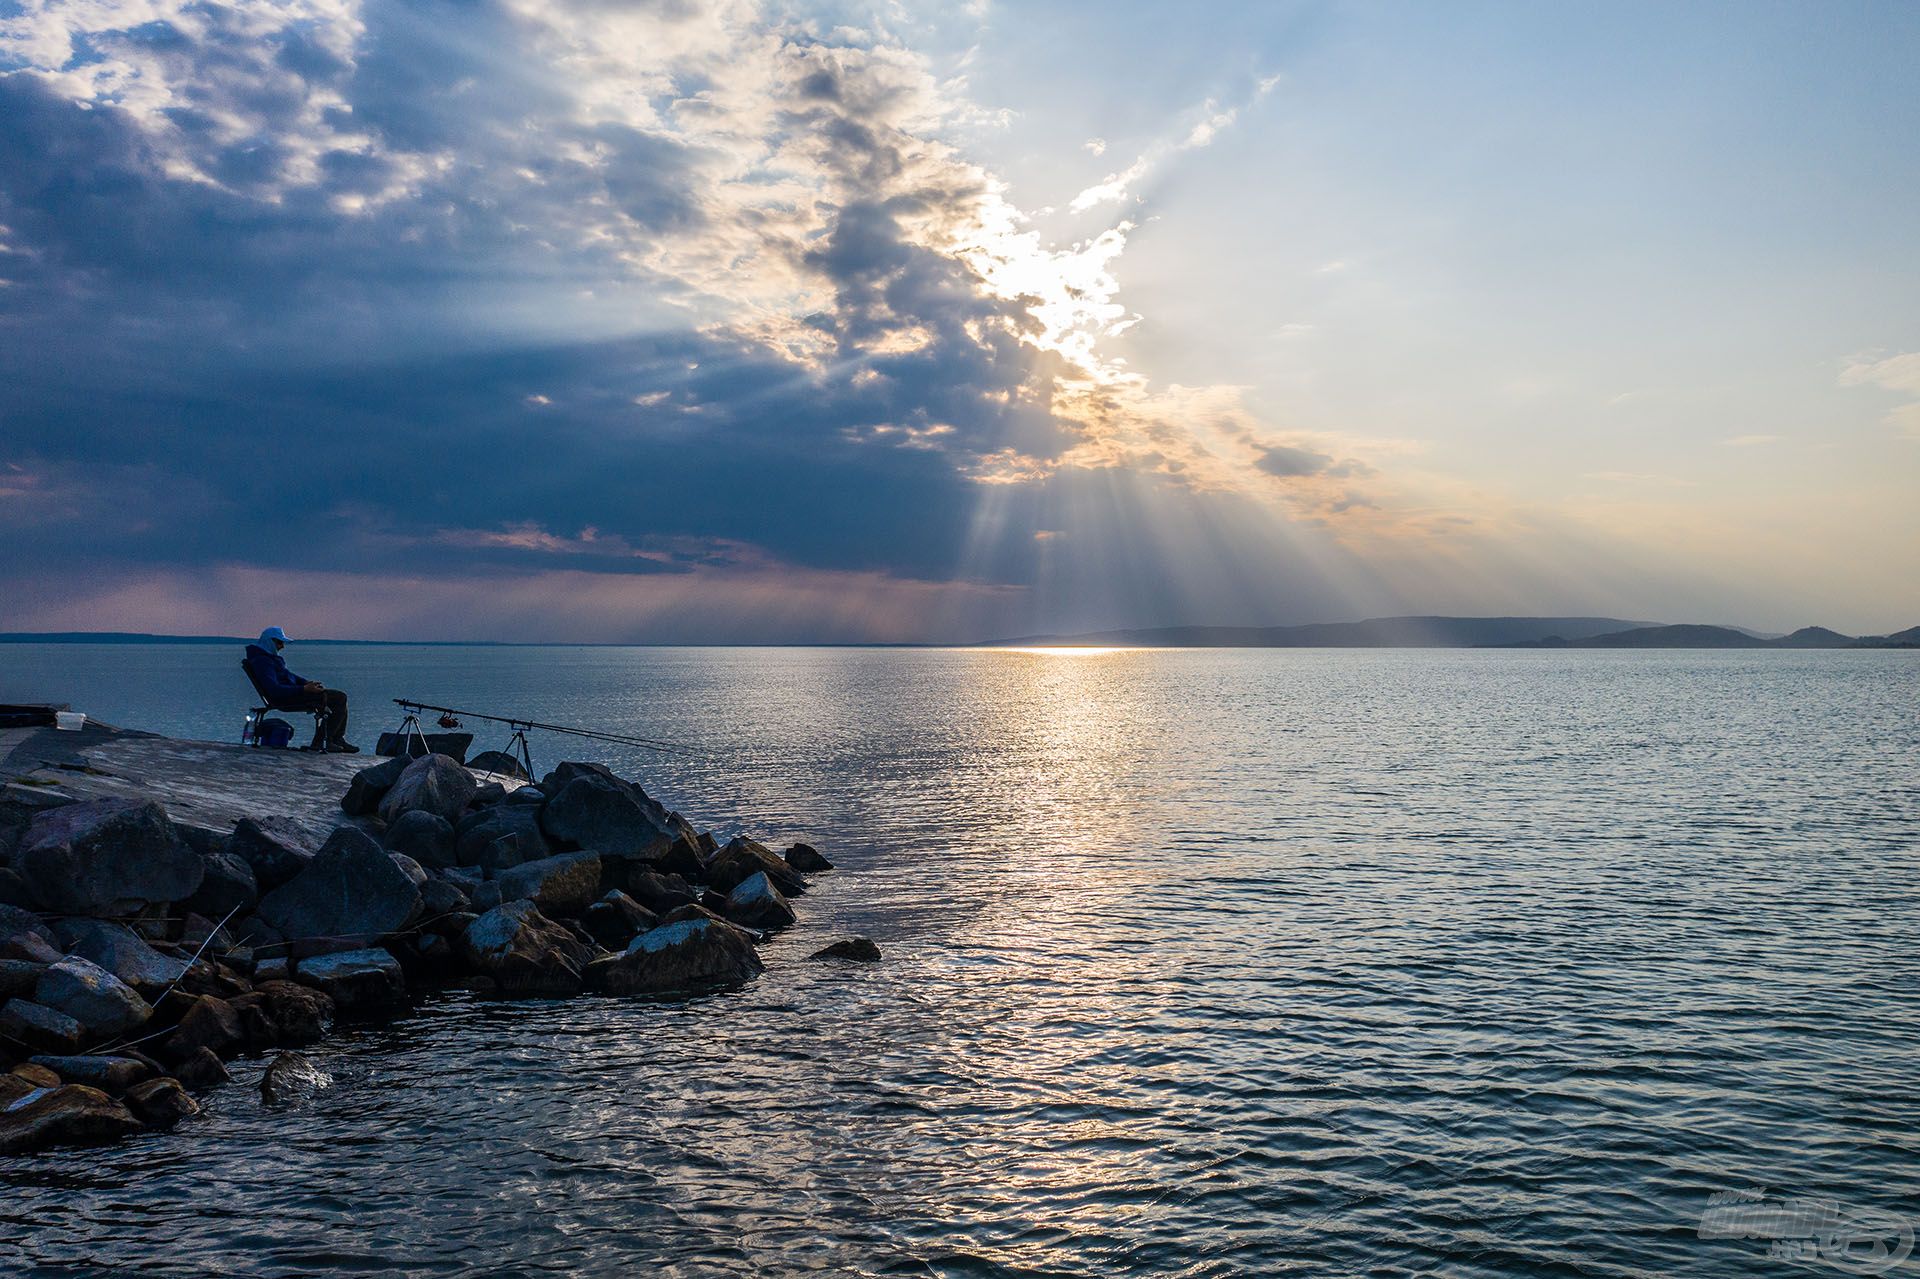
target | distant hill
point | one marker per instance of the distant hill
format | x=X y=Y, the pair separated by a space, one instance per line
x=1816 y=637
x=1683 y=636
x=137 y=637
x=1375 y=632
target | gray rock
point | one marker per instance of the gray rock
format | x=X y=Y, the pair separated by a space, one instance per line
x=102 y=1003
x=806 y=859
x=434 y=784
x=14 y=920
x=356 y=979
x=442 y=897
x=562 y=885
x=661 y=893
x=274 y=848
x=228 y=884
x=273 y=970
x=756 y=903
x=530 y=796
x=856 y=948
x=370 y=785
x=412 y=869
x=616 y=919
x=687 y=955
x=40 y=1028
x=425 y=837
x=741 y=858
x=514 y=827
x=106 y=857
x=290 y=1077
x=202 y=1070
x=117 y=949
x=18 y=977
x=524 y=952
x=603 y=813
x=112 y=1075
x=352 y=891
x=30 y=947
x=74 y=1115
x=486 y=896
x=453 y=745
x=161 y=1104
x=499 y=763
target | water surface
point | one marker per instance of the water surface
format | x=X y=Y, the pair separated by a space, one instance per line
x=1198 y=963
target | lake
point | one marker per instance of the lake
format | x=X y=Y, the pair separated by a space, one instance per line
x=1228 y=962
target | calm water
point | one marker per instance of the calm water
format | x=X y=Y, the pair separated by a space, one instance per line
x=1198 y=963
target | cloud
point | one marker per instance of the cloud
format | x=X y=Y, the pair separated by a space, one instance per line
x=1212 y=119
x=1751 y=441
x=1286 y=462
x=1897 y=373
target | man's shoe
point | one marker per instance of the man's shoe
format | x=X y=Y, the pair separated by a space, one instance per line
x=342 y=748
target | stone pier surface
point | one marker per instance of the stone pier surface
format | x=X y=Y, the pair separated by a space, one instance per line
x=210 y=785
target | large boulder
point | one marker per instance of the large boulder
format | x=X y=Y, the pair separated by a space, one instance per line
x=524 y=952
x=297 y=1014
x=500 y=764
x=426 y=837
x=660 y=892
x=92 y=996
x=13 y=921
x=113 y=1075
x=211 y=1023
x=229 y=885
x=120 y=951
x=352 y=892
x=18 y=977
x=356 y=979
x=106 y=857
x=860 y=949
x=756 y=903
x=742 y=858
x=434 y=784
x=370 y=785
x=73 y=1115
x=806 y=859
x=599 y=811
x=161 y=1103
x=39 y=1028
x=562 y=885
x=687 y=955
x=453 y=745
x=501 y=837
x=272 y=847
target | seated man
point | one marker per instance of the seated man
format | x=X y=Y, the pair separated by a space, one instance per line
x=283 y=690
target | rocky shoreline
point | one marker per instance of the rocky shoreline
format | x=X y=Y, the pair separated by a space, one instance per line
x=138 y=955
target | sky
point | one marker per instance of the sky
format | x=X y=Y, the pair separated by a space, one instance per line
x=723 y=321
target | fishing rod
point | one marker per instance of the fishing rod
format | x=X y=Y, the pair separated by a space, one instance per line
x=410 y=726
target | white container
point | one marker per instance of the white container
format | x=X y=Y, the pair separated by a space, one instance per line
x=69 y=720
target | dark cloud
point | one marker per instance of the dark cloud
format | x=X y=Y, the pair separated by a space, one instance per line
x=1288 y=462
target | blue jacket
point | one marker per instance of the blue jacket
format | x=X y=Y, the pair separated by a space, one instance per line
x=270 y=675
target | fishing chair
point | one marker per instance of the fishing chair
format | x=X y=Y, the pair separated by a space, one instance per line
x=257 y=715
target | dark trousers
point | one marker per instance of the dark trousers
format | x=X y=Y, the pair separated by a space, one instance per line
x=331 y=700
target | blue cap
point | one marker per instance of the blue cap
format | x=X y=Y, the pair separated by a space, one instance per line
x=271 y=634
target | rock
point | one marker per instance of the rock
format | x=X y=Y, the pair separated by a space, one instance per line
x=486 y=795
x=211 y=1023
x=661 y=893
x=563 y=885
x=806 y=859
x=411 y=868
x=39 y=1028
x=160 y=1104
x=228 y=885
x=858 y=948
x=442 y=897
x=425 y=837
x=352 y=891
x=14 y=921
x=405 y=745
x=514 y=827
x=13 y=1088
x=110 y=1074
x=18 y=977
x=432 y=953
x=298 y=1014
x=566 y=771
x=106 y=857
x=205 y=978
x=756 y=903
x=290 y=1077
x=486 y=896
x=273 y=848
x=434 y=784
x=499 y=763
x=273 y=970
x=603 y=813
x=690 y=954
x=199 y=932
x=14 y=892
x=30 y=947
x=356 y=979
x=527 y=796
x=73 y=1115
x=103 y=1004
x=37 y=1076
x=524 y=952
x=202 y=1070
x=617 y=919
x=370 y=785
x=115 y=948
x=683 y=857
x=738 y=861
